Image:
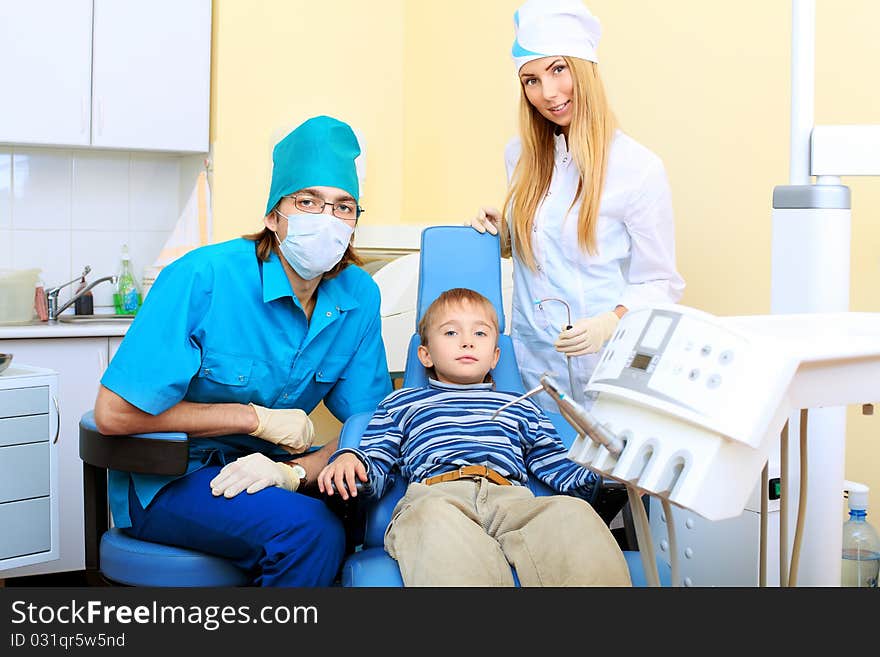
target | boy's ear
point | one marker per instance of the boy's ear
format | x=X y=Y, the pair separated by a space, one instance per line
x=424 y=356
x=496 y=357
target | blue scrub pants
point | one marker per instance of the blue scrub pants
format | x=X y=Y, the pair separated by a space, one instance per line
x=284 y=538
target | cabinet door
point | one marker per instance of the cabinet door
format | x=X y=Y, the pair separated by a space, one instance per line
x=45 y=66
x=28 y=471
x=151 y=68
x=80 y=362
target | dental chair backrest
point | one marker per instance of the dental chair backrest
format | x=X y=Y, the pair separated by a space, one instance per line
x=459 y=256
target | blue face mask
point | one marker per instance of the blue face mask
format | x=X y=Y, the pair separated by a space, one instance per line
x=314 y=243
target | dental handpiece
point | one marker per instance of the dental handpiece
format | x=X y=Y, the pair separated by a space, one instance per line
x=581 y=419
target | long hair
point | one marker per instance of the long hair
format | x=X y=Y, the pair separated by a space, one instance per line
x=589 y=140
x=267 y=243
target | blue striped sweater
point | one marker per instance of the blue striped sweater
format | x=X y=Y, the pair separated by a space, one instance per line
x=427 y=431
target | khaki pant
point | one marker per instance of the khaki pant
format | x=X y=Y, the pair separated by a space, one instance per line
x=469 y=532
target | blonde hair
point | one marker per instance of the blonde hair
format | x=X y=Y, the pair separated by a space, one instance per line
x=454 y=297
x=589 y=140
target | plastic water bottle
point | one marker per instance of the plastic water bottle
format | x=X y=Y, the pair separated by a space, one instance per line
x=861 y=544
x=127 y=298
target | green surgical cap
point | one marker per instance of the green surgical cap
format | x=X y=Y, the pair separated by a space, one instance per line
x=320 y=152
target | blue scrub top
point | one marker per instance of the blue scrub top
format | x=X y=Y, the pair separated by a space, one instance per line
x=221 y=326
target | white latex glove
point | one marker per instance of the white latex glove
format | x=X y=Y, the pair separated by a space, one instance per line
x=290 y=428
x=588 y=335
x=487 y=219
x=252 y=473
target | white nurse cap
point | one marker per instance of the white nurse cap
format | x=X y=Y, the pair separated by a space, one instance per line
x=545 y=28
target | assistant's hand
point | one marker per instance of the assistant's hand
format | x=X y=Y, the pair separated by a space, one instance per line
x=252 y=473
x=588 y=335
x=342 y=471
x=290 y=428
x=487 y=219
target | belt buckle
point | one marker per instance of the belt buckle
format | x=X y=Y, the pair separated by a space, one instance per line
x=461 y=474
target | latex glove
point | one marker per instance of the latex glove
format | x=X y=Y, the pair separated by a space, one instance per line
x=588 y=335
x=487 y=219
x=290 y=428
x=252 y=473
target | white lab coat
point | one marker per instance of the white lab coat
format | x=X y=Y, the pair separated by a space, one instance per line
x=634 y=265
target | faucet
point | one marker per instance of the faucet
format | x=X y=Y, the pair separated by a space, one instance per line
x=52 y=294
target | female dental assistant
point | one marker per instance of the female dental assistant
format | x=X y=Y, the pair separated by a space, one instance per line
x=236 y=343
x=588 y=214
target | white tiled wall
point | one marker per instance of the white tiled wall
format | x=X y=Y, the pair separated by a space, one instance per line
x=63 y=209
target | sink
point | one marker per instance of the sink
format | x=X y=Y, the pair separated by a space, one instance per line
x=86 y=319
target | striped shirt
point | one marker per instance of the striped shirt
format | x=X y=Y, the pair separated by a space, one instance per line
x=427 y=431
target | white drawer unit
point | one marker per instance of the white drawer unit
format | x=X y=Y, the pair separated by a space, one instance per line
x=29 y=432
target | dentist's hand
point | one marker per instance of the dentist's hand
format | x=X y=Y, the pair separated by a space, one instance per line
x=588 y=335
x=253 y=473
x=290 y=428
x=487 y=219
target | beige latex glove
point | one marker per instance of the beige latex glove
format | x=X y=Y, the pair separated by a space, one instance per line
x=487 y=219
x=588 y=335
x=290 y=428
x=252 y=473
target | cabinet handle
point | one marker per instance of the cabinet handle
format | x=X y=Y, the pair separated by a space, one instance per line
x=58 y=419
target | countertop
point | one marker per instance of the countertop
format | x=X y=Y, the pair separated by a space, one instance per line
x=64 y=330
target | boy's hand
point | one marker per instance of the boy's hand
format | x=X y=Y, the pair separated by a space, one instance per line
x=343 y=473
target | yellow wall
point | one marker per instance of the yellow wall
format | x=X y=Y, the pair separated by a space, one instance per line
x=703 y=84
x=279 y=62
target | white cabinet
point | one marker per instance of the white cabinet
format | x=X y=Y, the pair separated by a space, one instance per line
x=45 y=65
x=120 y=74
x=29 y=530
x=80 y=363
x=151 y=81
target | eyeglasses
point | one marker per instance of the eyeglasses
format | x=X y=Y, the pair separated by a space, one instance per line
x=345 y=210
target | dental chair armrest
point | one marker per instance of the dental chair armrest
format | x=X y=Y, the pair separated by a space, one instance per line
x=379 y=510
x=162 y=453
x=353 y=429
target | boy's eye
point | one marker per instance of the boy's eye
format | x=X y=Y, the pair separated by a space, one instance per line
x=450 y=332
x=482 y=334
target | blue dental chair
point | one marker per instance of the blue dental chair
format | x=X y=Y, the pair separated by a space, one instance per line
x=451 y=256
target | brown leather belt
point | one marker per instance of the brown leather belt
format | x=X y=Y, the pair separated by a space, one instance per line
x=467 y=471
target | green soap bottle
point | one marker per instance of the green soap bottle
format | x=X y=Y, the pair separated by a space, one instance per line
x=127 y=298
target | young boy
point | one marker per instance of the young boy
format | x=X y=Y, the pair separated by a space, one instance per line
x=467 y=515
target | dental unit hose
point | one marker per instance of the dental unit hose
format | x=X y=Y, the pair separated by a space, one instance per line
x=576 y=393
